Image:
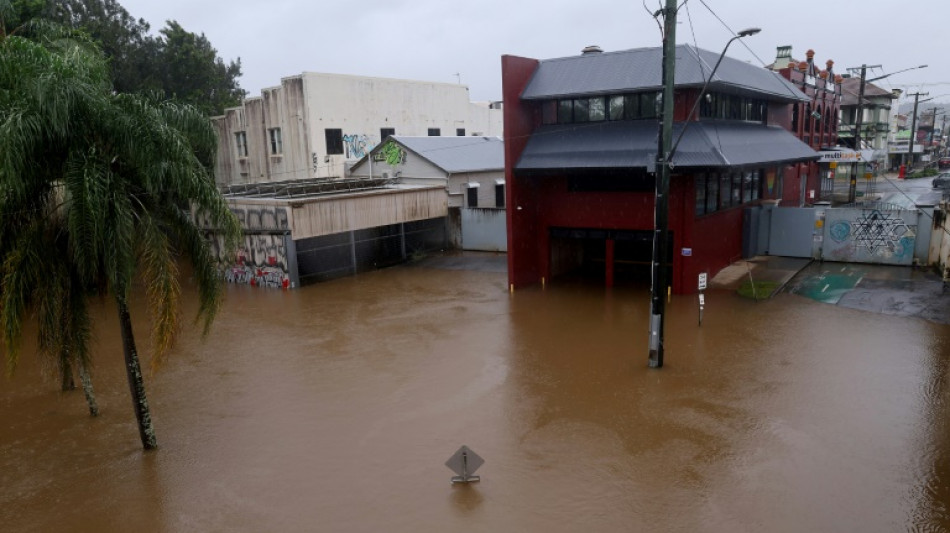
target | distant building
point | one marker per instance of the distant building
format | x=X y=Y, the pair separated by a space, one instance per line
x=316 y=125
x=816 y=122
x=580 y=150
x=470 y=169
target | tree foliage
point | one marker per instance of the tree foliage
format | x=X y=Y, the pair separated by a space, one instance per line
x=96 y=187
x=175 y=63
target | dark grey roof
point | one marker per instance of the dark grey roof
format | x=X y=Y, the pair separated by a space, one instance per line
x=633 y=144
x=458 y=154
x=640 y=70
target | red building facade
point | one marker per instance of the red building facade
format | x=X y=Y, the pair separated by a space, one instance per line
x=580 y=139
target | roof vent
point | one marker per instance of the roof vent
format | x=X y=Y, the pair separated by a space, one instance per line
x=592 y=49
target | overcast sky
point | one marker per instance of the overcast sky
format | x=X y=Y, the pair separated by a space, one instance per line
x=447 y=41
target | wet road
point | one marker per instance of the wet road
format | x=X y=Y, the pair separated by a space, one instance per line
x=334 y=407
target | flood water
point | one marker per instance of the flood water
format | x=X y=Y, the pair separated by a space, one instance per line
x=334 y=408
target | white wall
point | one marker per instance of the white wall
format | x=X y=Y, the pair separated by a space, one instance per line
x=304 y=106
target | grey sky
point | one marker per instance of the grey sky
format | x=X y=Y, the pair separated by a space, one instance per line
x=432 y=40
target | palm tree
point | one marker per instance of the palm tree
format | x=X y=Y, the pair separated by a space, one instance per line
x=96 y=187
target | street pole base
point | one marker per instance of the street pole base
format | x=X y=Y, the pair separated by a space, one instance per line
x=654 y=361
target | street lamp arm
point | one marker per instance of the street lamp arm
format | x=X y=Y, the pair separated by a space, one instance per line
x=898 y=72
x=702 y=92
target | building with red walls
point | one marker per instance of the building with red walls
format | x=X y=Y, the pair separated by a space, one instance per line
x=580 y=144
x=815 y=122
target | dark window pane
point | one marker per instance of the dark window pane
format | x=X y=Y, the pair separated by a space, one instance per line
x=435 y=132
x=712 y=193
x=631 y=106
x=334 y=138
x=597 y=109
x=581 y=110
x=472 y=196
x=499 y=195
x=616 y=107
x=736 y=189
x=565 y=111
x=648 y=103
x=549 y=112
x=460 y=132
x=386 y=132
x=700 y=194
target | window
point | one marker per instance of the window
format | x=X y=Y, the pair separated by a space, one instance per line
x=386 y=132
x=471 y=195
x=240 y=140
x=631 y=106
x=597 y=109
x=700 y=194
x=565 y=111
x=549 y=112
x=435 y=132
x=334 y=137
x=581 y=110
x=736 y=189
x=460 y=132
x=648 y=105
x=712 y=193
x=276 y=147
x=616 y=107
x=499 y=195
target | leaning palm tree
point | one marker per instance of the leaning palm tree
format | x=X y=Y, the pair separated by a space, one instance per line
x=100 y=187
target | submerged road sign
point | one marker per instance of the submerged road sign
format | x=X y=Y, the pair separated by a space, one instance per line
x=464 y=462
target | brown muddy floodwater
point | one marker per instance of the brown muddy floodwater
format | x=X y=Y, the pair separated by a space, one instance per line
x=334 y=407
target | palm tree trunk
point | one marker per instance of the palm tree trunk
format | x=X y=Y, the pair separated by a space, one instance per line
x=134 y=372
x=87 y=388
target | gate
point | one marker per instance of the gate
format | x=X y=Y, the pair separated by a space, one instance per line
x=886 y=235
x=854 y=235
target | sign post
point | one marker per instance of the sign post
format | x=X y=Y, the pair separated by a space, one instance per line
x=702 y=297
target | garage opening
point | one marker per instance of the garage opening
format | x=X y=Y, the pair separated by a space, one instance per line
x=585 y=253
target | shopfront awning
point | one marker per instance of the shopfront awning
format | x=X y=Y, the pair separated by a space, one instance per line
x=633 y=144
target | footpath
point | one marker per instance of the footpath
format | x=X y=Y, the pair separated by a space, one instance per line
x=891 y=290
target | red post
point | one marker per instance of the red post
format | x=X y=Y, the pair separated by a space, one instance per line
x=901 y=172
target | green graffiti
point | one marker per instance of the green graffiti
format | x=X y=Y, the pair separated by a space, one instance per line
x=393 y=154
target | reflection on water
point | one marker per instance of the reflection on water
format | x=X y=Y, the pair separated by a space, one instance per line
x=334 y=407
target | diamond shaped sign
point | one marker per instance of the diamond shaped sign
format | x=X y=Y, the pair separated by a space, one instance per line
x=464 y=462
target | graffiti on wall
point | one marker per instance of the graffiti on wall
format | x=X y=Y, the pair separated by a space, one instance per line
x=356 y=145
x=261 y=262
x=261 y=258
x=871 y=235
x=262 y=217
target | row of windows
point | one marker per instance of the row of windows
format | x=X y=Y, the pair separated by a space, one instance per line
x=716 y=191
x=471 y=196
x=732 y=107
x=601 y=108
x=334 y=139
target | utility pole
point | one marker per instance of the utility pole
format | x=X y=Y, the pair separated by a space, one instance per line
x=913 y=131
x=662 y=201
x=859 y=121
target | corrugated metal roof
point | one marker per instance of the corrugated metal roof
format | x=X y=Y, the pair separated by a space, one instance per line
x=851 y=88
x=640 y=70
x=633 y=144
x=458 y=154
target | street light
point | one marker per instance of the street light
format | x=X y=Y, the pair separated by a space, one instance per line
x=744 y=33
x=664 y=160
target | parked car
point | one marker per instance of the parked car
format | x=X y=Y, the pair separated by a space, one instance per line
x=943 y=162
x=942 y=181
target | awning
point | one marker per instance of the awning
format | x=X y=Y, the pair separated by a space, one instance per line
x=633 y=144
